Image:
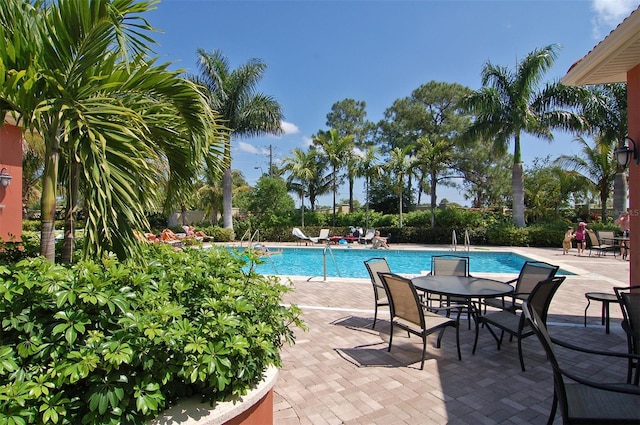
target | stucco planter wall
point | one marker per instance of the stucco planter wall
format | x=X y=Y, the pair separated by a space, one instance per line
x=254 y=408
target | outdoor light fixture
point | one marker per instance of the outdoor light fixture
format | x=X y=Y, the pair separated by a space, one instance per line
x=624 y=153
x=5 y=178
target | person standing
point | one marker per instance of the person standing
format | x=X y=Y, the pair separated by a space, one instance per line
x=566 y=242
x=581 y=237
x=624 y=222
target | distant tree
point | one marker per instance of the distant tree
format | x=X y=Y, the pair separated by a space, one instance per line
x=336 y=149
x=301 y=168
x=244 y=112
x=597 y=164
x=348 y=117
x=399 y=166
x=606 y=113
x=369 y=168
x=486 y=177
x=321 y=181
x=271 y=204
x=511 y=103
x=430 y=120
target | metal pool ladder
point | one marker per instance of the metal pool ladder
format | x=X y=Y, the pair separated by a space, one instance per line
x=327 y=247
x=454 y=240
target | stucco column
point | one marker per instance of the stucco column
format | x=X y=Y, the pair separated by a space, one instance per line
x=633 y=105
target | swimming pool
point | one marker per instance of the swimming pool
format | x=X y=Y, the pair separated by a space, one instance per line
x=349 y=262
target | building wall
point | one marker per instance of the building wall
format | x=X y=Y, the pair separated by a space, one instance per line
x=633 y=111
x=11 y=196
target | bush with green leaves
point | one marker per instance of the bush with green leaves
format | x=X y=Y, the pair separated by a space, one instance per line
x=114 y=342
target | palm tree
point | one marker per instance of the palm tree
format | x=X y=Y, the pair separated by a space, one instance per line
x=400 y=165
x=606 y=113
x=103 y=110
x=369 y=169
x=510 y=103
x=300 y=165
x=336 y=149
x=243 y=111
x=597 y=164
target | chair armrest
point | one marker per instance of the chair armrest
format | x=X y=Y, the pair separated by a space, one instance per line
x=618 y=388
x=596 y=352
x=512 y=280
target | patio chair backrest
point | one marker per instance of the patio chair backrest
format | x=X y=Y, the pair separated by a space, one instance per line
x=607 y=235
x=629 y=298
x=539 y=328
x=449 y=265
x=540 y=297
x=324 y=234
x=593 y=238
x=374 y=266
x=403 y=299
x=531 y=273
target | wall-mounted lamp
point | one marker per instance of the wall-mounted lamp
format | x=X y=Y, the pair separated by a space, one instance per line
x=624 y=154
x=5 y=178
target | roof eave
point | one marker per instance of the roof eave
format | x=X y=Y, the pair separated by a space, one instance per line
x=582 y=72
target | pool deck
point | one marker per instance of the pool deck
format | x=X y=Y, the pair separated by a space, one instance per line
x=339 y=371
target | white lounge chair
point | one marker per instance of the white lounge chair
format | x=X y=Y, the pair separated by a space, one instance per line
x=367 y=236
x=323 y=237
x=301 y=236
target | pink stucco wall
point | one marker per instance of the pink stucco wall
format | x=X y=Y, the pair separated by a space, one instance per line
x=11 y=196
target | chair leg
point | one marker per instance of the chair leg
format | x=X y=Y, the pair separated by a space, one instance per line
x=475 y=342
x=554 y=406
x=520 y=354
x=424 y=350
x=375 y=316
x=390 y=336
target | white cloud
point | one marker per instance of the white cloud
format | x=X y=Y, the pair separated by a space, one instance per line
x=609 y=14
x=308 y=141
x=246 y=147
x=289 y=128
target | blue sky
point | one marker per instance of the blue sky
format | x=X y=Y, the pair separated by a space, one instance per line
x=319 y=52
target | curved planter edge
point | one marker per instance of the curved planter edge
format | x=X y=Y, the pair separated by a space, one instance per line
x=192 y=411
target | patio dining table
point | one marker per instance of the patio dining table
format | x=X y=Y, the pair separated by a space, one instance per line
x=467 y=287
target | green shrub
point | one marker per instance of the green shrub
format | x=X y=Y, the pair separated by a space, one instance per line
x=110 y=342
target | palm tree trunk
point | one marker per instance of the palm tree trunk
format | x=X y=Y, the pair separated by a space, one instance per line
x=302 y=204
x=400 y=205
x=434 y=199
x=335 y=189
x=227 y=186
x=351 y=182
x=48 y=200
x=619 y=193
x=68 y=243
x=517 y=182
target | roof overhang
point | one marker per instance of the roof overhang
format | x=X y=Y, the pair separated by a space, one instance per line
x=611 y=59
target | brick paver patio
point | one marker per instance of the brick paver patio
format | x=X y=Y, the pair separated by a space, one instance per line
x=339 y=371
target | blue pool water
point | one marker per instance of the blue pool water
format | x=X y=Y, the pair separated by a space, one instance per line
x=349 y=262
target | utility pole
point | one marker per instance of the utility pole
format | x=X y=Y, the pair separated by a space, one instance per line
x=270 y=161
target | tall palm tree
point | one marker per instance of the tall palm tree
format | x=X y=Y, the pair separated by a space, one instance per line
x=243 y=111
x=301 y=167
x=400 y=165
x=597 y=164
x=606 y=112
x=336 y=149
x=369 y=169
x=511 y=103
x=83 y=82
